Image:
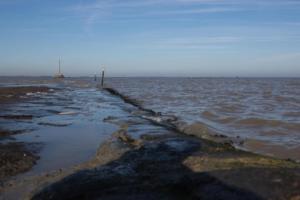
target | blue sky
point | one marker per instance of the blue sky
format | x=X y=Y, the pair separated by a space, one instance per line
x=151 y=37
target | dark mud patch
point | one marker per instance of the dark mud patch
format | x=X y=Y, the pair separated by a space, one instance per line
x=55 y=124
x=22 y=90
x=8 y=133
x=17 y=157
x=17 y=117
x=14 y=94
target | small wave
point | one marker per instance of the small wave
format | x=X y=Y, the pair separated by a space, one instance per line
x=259 y=122
x=209 y=115
x=35 y=93
x=282 y=99
x=292 y=114
x=161 y=118
x=234 y=108
x=226 y=120
x=293 y=126
x=255 y=122
x=155 y=119
x=273 y=133
x=68 y=113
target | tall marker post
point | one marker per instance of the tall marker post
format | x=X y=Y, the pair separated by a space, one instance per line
x=102 y=80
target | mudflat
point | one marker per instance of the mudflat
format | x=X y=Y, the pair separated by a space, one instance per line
x=17 y=157
x=13 y=94
x=148 y=157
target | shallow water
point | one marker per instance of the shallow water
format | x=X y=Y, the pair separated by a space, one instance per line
x=261 y=109
x=67 y=123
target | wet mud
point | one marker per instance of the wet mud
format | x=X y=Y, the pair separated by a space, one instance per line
x=175 y=165
x=4 y=134
x=13 y=94
x=17 y=157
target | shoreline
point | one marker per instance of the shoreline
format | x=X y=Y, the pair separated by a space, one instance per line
x=175 y=166
x=179 y=161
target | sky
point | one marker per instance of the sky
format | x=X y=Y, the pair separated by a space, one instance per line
x=151 y=37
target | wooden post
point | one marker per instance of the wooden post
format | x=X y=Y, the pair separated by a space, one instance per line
x=102 y=80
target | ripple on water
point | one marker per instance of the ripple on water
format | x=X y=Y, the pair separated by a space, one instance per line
x=244 y=107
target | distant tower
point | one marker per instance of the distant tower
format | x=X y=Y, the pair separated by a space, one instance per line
x=59 y=75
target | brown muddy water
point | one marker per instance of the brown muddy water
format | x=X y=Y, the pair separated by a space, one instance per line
x=263 y=113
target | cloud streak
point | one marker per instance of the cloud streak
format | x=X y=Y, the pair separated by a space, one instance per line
x=112 y=9
x=195 y=11
x=95 y=11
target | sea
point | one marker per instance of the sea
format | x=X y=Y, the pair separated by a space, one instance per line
x=263 y=113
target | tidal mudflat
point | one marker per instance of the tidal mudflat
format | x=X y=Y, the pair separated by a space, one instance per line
x=82 y=142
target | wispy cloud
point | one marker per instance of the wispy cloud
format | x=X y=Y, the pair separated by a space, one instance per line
x=243 y=2
x=197 y=40
x=193 y=42
x=112 y=9
x=92 y=12
x=195 y=11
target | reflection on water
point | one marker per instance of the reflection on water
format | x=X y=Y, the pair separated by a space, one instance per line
x=264 y=109
x=68 y=122
x=67 y=146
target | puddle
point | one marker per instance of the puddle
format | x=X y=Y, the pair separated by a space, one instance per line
x=65 y=147
x=68 y=136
